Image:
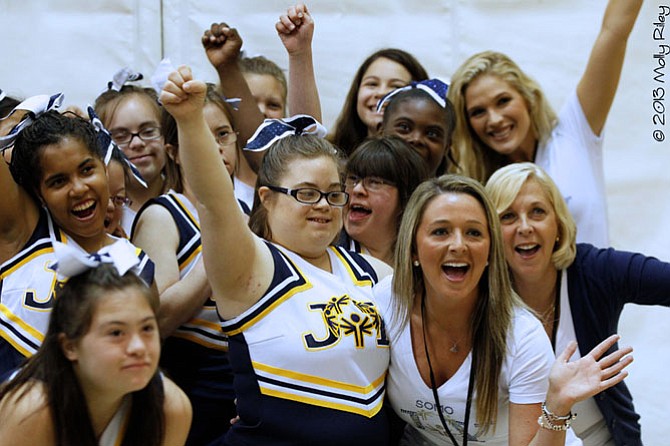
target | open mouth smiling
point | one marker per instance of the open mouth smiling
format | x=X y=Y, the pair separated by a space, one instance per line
x=85 y=209
x=455 y=270
x=527 y=249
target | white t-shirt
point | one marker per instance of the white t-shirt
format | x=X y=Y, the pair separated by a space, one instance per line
x=573 y=158
x=523 y=380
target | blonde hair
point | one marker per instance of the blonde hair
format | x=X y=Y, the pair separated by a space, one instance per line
x=264 y=66
x=475 y=159
x=503 y=188
x=492 y=318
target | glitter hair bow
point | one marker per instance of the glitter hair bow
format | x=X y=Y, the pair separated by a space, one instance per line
x=434 y=87
x=72 y=261
x=123 y=76
x=272 y=130
x=35 y=105
x=107 y=146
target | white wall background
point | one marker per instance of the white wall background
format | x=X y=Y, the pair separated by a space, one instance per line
x=75 y=46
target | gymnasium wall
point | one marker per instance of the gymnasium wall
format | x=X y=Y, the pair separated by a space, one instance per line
x=75 y=46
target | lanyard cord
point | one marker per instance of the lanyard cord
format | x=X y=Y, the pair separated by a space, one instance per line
x=433 y=387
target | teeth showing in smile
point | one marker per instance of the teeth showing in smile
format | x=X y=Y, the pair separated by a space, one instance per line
x=530 y=248
x=319 y=220
x=84 y=209
x=455 y=270
x=501 y=134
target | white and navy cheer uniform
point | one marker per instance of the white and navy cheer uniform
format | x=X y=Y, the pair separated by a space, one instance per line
x=310 y=357
x=195 y=355
x=28 y=287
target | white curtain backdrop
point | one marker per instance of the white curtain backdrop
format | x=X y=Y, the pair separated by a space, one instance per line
x=75 y=46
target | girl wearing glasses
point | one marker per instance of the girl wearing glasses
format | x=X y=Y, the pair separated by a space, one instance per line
x=381 y=175
x=306 y=343
x=195 y=349
x=133 y=115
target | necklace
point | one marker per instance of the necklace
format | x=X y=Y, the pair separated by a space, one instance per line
x=454 y=348
x=552 y=314
x=433 y=387
x=547 y=315
x=454 y=344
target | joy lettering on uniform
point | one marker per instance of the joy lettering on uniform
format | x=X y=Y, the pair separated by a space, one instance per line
x=343 y=318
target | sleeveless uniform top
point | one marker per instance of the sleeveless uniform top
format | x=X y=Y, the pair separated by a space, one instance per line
x=116 y=429
x=310 y=357
x=195 y=355
x=345 y=241
x=28 y=286
x=204 y=328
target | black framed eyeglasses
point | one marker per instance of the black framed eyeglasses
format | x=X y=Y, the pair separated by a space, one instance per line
x=308 y=195
x=124 y=137
x=369 y=183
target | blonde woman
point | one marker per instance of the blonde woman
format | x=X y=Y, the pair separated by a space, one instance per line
x=468 y=361
x=576 y=289
x=504 y=117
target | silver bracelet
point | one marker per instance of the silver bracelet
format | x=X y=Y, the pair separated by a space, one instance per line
x=549 y=420
x=553 y=417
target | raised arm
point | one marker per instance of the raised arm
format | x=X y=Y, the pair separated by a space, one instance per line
x=222 y=45
x=295 y=29
x=598 y=84
x=18 y=211
x=238 y=263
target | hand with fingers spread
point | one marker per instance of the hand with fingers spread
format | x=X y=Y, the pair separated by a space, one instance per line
x=222 y=45
x=295 y=29
x=571 y=382
x=182 y=95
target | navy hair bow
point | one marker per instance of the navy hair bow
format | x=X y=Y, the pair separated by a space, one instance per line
x=107 y=145
x=35 y=105
x=272 y=130
x=434 y=87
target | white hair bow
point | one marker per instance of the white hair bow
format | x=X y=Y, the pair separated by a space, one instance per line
x=72 y=261
x=35 y=105
x=434 y=87
x=123 y=76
